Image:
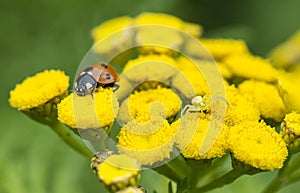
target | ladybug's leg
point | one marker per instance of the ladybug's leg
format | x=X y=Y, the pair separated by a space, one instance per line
x=92 y=92
x=116 y=87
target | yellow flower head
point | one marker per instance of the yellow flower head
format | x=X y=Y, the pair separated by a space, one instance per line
x=258 y=145
x=191 y=81
x=251 y=67
x=195 y=30
x=222 y=48
x=87 y=112
x=142 y=73
x=287 y=54
x=39 y=89
x=289 y=90
x=148 y=142
x=158 y=40
x=240 y=109
x=290 y=131
x=190 y=136
x=106 y=29
x=159 y=19
x=168 y=20
x=111 y=26
x=145 y=68
x=166 y=37
x=144 y=104
x=225 y=71
x=162 y=36
x=118 y=172
x=265 y=97
x=132 y=190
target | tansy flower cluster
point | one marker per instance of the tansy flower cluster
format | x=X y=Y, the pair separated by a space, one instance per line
x=171 y=111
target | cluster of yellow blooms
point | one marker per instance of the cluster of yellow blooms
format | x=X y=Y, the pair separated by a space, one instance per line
x=159 y=82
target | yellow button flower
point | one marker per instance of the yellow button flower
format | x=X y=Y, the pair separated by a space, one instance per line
x=168 y=20
x=118 y=172
x=222 y=48
x=195 y=30
x=148 y=142
x=152 y=43
x=133 y=190
x=190 y=136
x=240 y=108
x=191 y=81
x=141 y=74
x=163 y=25
x=225 y=71
x=87 y=112
x=287 y=54
x=159 y=19
x=166 y=26
x=289 y=90
x=39 y=89
x=290 y=131
x=251 y=67
x=265 y=97
x=111 y=26
x=142 y=105
x=258 y=145
x=122 y=34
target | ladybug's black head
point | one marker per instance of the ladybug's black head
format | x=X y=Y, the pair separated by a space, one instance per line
x=85 y=85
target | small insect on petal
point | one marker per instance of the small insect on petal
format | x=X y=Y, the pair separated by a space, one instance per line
x=99 y=74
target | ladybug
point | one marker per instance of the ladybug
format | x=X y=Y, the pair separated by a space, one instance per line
x=98 y=74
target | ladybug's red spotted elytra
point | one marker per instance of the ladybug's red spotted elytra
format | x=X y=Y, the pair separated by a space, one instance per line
x=98 y=74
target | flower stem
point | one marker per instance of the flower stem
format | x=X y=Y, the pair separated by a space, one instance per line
x=227 y=178
x=70 y=138
x=176 y=170
x=179 y=166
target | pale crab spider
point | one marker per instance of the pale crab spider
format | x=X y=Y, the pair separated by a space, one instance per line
x=198 y=104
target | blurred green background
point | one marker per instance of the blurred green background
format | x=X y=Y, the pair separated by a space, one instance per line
x=38 y=35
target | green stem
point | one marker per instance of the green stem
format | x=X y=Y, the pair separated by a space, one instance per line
x=176 y=170
x=70 y=138
x=179 y=166
x=227 y=178
x=167 y=172
x=199 y=170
